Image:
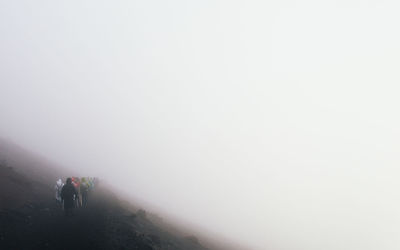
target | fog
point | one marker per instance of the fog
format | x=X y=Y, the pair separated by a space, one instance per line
x=270 y=123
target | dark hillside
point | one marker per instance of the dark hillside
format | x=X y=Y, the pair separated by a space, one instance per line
x=37 y=168
x=31 y=219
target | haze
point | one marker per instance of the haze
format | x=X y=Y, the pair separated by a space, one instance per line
x=273 y=124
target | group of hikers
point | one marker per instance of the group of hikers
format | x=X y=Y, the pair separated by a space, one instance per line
x=74 y=193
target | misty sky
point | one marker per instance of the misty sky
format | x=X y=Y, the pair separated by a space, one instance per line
x=271 y=123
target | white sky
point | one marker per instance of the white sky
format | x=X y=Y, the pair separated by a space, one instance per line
x=273 y=123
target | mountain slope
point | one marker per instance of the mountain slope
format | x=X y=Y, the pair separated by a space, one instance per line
x=30 y=218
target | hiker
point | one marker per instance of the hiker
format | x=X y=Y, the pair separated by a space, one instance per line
x=58 y=187
x=90 y=182
x=76 y=183
x=68 y=192
x=84 y=187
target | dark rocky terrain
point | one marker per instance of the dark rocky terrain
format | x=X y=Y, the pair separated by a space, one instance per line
x=31 y=219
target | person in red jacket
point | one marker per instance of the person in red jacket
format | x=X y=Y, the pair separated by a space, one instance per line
x=78 y=200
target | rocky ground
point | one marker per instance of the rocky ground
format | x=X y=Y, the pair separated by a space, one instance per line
x=39 y=223
x=31 y=219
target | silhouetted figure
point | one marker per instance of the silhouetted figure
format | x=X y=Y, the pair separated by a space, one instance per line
x=68 y=193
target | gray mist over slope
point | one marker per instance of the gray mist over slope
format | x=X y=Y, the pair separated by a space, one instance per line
x=272 y=123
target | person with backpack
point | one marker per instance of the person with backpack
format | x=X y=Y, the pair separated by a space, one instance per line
x=68 y=193
x=76 y=182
